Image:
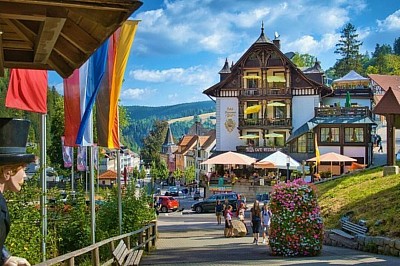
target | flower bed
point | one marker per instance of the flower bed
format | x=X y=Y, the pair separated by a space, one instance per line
x=296 y=226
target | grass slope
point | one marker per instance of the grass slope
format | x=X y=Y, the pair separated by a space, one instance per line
x=368 y=196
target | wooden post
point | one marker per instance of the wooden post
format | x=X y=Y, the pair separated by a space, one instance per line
x=96 y=257
x=147 y=248
x=391 y=140
x=154 y=222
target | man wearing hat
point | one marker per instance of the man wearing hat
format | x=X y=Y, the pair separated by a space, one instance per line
x=13 y=159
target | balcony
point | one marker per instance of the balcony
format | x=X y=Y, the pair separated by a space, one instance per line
x=264 y=92
x=279 y=122
x=342 y=111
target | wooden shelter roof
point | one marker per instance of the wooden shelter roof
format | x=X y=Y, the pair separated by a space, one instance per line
x=109 y=174
x=57 y=35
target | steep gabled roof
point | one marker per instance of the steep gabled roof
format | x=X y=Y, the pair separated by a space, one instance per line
x=386 y=81
x=262 y=42
x=389 y=104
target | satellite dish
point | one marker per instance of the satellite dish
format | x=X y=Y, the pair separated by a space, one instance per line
x=277 y=35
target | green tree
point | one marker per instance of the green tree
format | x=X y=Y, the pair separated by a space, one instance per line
x=189 y=174
x=56 y=131
x=396 y=46
x=303 y=60
x=153 y=143
x=348 y=48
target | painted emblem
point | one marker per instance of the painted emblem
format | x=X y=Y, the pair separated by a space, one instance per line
x=229 y=122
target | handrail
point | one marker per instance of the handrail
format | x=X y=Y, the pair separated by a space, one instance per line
x=147 y=237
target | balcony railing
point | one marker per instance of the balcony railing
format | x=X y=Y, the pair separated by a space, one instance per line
x=342 y=111
x=265 y=122
x=264 y=92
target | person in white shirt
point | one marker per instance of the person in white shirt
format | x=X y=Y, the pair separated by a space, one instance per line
x=266 y=221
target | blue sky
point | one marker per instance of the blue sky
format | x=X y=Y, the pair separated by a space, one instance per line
x=181 y=45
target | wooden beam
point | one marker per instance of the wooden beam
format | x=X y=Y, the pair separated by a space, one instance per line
x=68 y=51
x=47 y=38
x=23 y=32
x=23 y=11
x=80 y=38
x=58 y=63
x=1 y=55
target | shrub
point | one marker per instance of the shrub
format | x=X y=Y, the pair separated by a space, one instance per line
x=296 y=225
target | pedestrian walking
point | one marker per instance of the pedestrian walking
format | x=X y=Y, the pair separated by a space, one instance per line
x=255 y=213
x=266 y=221
x=219 y=207
x=228 y=222
x=379 y=143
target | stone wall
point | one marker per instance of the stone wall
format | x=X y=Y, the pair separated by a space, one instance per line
x=373 y=244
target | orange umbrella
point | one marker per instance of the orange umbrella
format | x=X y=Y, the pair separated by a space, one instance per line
x=264 y=164
x=356 y=166
x=332 y=157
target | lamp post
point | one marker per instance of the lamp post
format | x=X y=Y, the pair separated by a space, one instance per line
x=287 y=169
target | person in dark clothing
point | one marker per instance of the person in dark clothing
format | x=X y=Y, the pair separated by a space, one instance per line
x=379 y=143
x=13 y=159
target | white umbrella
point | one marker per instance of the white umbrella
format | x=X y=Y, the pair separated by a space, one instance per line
x=230 y=157
x=280 y=160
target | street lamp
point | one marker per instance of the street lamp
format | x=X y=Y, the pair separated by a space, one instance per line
x=287 y=169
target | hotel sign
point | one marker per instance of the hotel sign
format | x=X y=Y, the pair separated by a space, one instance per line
x=230 y=114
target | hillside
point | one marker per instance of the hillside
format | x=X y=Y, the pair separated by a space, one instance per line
x=180 y=117
x=366 y=195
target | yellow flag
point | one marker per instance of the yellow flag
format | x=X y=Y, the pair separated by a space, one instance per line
x=317 y=154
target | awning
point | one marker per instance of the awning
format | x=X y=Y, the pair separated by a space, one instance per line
x=273 y=135
x=252 y=109
x=276 y=79
x=276 y=104
x=251 y=77
x=249 y=136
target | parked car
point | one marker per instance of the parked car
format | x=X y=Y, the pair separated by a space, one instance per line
x=166 y=203
x=208 y=205
x=263 y=198
x=172 y=191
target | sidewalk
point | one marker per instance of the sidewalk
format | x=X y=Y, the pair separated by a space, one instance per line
x=197 y=240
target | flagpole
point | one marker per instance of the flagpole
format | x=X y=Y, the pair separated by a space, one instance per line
x=119 y=192
x=92 y=198
x=72 y=171
x=43 y=199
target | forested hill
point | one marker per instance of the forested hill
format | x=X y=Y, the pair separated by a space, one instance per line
x=169 y=112
x=141 y=120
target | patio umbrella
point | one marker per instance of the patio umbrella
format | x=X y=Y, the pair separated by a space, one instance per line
x=230 y=157
x=264 y=164
x=332 y=157
x=273 y=135
x=249 y=136
x=348 y=100
x=252 y=109
x=276 y=104
x=280 y=160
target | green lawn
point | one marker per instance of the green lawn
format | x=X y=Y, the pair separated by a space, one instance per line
x=368 y=196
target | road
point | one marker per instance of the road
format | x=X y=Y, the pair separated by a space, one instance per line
x=196 y=239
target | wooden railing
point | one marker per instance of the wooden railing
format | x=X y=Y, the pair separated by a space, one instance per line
x=144 y=238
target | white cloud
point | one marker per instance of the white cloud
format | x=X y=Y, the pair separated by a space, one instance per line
x=196 y=75
x=391 y=23
x=134 y=94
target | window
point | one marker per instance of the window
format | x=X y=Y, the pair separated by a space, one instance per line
x=354 y=134
x=280 y=111
x=330 y=134
x=301 y=143
x=252 y=83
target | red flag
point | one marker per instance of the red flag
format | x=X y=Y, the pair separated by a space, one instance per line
x=27 y=90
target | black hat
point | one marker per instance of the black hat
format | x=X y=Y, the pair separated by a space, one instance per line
x=13 y=138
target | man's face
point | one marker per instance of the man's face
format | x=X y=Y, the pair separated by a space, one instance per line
x=15 y=180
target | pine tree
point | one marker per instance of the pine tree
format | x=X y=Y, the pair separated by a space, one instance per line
x=396 y=46
x=348 y=48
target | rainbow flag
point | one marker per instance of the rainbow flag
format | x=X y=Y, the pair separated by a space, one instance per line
x=110 y=88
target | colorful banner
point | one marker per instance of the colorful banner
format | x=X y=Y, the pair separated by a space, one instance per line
x=27 y=90
x=80 y=92
x=67 y=153
x=81 y=158
x=108 y=97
